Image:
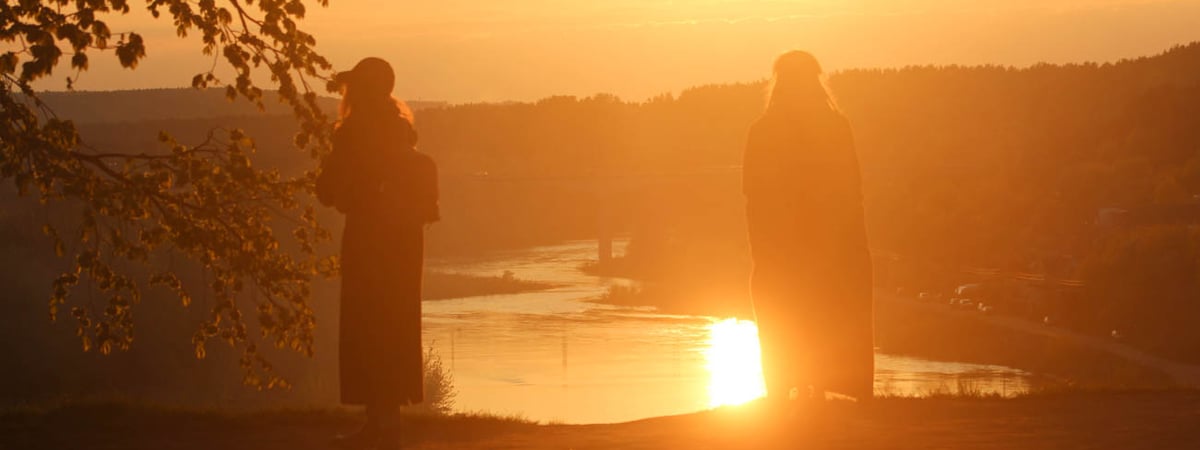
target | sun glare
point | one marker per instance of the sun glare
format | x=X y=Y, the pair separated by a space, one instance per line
x=734 y=363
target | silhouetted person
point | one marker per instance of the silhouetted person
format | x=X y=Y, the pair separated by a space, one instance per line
x=388 y=192
x=812 y=268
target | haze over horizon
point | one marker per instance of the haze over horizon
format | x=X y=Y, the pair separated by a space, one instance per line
x=477 y=50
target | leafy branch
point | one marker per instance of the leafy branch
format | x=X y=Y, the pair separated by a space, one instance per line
x=208 y=202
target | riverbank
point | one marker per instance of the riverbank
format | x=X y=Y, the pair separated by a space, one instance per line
x=445 y=286
x=942 y=332
x=1095 y=420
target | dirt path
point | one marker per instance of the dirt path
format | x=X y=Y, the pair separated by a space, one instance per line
x=1081 y=420
x=1183 y=374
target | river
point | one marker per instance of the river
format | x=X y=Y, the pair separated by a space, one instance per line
x=556 y=356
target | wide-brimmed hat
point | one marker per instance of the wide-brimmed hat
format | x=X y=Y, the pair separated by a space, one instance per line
x=371 y=75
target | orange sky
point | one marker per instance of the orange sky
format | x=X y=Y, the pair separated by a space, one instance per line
x=472 y=50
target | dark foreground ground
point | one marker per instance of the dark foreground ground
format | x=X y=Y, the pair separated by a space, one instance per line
x=1132 y=420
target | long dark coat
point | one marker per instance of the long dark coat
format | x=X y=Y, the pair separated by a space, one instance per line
x=373 y=160
x=812 y=269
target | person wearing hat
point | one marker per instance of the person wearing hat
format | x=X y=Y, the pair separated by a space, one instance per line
x=388 y=192
x=811 y=284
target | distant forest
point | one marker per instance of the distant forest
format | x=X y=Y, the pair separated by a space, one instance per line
x=1085 y=171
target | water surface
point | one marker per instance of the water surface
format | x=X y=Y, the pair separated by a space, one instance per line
x=557 y=356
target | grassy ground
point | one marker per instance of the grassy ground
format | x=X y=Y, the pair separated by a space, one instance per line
x=1097 y=420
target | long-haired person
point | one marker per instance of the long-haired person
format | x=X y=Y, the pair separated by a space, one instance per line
x=388 y=192
x=812 y=269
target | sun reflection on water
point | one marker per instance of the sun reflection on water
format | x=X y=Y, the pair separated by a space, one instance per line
x=734 y=363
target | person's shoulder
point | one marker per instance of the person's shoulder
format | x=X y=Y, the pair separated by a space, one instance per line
x=763 y=123
x=343 y=133
x=757 y=124
x=842 y=122
x=408 y=132
x=421 y=159
x=347 y=126
x=766 y=119
x=840 y=118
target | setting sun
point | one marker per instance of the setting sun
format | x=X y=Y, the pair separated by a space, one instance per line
x=733 y=361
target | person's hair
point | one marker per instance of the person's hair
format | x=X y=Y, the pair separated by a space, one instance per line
x=367 y=89
x=798 y=84
x=353 y=100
